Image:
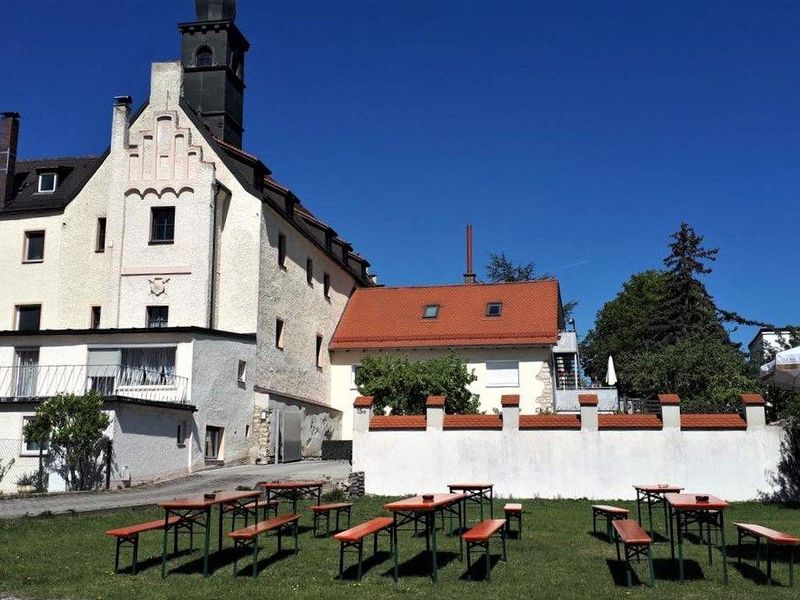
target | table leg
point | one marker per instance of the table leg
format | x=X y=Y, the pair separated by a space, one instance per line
x=491 y=503
x=219 y=532
x=207 y=542
x=460 y=539
x=319 y=495
x=396 y=547
x=671 y=534
x=650 y=513
x=480 y=499
x=666 y=515
x=722 y=547
x=680 y=543
x=164 y=547
x=434 y=573
x=639 y=506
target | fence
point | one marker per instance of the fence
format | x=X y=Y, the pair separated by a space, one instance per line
x=566 y=400
x=43 y=381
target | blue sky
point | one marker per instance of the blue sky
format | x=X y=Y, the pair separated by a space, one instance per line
x=575 y=135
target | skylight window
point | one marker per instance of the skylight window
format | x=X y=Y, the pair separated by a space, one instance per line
x=431 y=311
x=47 y=183
x=494 y=309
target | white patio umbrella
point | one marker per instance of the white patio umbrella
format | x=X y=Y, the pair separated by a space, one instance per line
x=784 y=370
x=611 y=373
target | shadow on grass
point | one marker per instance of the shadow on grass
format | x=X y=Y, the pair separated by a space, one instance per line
x=264 y=561
x=351 y=572
x=420 y=564
x=148 y=563
x=602 y=536
x=664 y=569
x=758 y=574
x=478 y=570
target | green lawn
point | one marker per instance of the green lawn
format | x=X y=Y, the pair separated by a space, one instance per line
x=68 y=557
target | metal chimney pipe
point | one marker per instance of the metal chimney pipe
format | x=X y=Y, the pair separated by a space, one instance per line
x=469 y=276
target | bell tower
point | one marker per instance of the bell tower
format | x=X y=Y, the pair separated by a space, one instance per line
x=212 y=56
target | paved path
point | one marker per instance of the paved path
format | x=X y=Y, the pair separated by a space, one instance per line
x=226 y=478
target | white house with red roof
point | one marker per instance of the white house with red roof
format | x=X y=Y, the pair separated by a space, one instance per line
x=511 y=335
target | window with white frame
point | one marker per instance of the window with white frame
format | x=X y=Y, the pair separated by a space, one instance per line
x=29 y=446
x=502 y=373
x=47 y=183
x=353 y=372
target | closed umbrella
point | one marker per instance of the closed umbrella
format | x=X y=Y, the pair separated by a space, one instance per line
x=611 y=373
x=784 y=370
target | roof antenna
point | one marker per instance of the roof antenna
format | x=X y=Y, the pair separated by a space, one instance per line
x=469 y=276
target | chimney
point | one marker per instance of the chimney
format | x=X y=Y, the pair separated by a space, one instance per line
x=120 y=121
x=469 y=276
x=9 y=132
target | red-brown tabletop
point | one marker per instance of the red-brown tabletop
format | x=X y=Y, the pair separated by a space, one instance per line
x=659 y=488
x=419 y=504
x=690 y=502
x=199 y=502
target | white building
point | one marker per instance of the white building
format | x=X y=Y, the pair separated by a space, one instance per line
x=173 y=228
x=766 y=343
x=511 y=335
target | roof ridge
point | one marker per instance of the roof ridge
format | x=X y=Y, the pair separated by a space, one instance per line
x=51 y=158
x=461 y=285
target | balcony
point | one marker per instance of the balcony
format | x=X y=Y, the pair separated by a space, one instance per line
x=44 y=381
x=566 y=400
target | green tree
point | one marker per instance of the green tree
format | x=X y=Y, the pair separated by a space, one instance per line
x=686 y=309
x=622 y=326
x=405 y=385
x=72 y=427
x=501 y=269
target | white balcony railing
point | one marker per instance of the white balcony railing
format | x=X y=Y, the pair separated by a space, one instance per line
x=44 y=381
x=607 y=399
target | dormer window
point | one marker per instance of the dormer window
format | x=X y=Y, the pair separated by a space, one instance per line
x=47 y=183
x=494 y=309
x=204 y=57
x=431 y=311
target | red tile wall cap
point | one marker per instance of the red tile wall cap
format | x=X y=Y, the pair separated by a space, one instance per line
x=509 y=400
x=587 y=399
x=472 y=422
x=549 y=422
x=712 y=421
x=669 y=399
x=646 y=421
x=435 y=402
x=364 y=402
x=390 y=422
x=753 y=399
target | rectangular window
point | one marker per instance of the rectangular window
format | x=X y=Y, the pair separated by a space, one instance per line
x=162 y=225
x=100 y=239
x=157 y=316
x=353 y=375
x=147 y=366
x=431 y=311
x=47 y=183
x=95 y=318
x=213 y=442
x=30 y=446
x=319 y=351
x=494 y=309
x=279 y=334
x=29 y=317
x=180 y=436
x=309 y=271
x=326 y=285
x=34 y=247
x=502 y=373
x=241 y=373
x=281 y=251
x=26 y=374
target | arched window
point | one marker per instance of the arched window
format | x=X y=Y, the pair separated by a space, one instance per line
x=204 y=57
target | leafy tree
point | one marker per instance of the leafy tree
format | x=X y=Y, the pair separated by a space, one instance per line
x=685 y=309
x=72 y=426
x=501 y=269
x=622 y=326
x=405 y=385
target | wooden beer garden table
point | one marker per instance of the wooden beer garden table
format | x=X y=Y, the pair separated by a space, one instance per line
x=701 y=509
x=476 y=492
x=423 y=509
x=652 y=495
x=198 y=509
x=293 y=490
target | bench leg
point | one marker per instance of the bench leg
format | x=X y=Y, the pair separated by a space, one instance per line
x=294 y=530
x=739 y=547
x=341 y=560
x=469 y=562
x=616 y=543
x=769 y=565
x=791 y=566
x=116 y=558
x=255 y=556
x=503 y=538
x=328 y=524
x=650 y=566
x=314 y=533
x=488 y=563
x=338 y=512
x=135 y=554
x=360 y=557
x=628 y=569
x=375 y=544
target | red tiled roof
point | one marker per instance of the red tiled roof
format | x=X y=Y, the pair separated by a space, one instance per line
x=509 y=400
x=549 y=422
x=397 y=422
x=628 y=422
x=587 y=399
x=669 y=399
x=434 y=401
x=753 y=399
x=363 y=402
x=713 y=421
x=473 y=422
x=391 y=317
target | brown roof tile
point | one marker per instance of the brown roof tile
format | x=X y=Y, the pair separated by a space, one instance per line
x=628 y=422
x=669 y=399
x=473 y=422
x=382 y=422
x=363 y=402
x=549 y=422
x=713 y=421
x=753 y=399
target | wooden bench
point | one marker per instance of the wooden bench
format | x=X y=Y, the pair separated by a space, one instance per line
x=245 y=511
x=611 y=513
x=354 y=538
x=513 y=511
x=637 y=544
x=480 y=536
x=130 y=536
x=326 y=510
x=773 y=538
x=248 y=536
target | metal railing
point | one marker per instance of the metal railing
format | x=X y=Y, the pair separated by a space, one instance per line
x=44 y=381
x=607 y=399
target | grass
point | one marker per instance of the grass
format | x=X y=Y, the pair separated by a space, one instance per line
x=68 y=557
